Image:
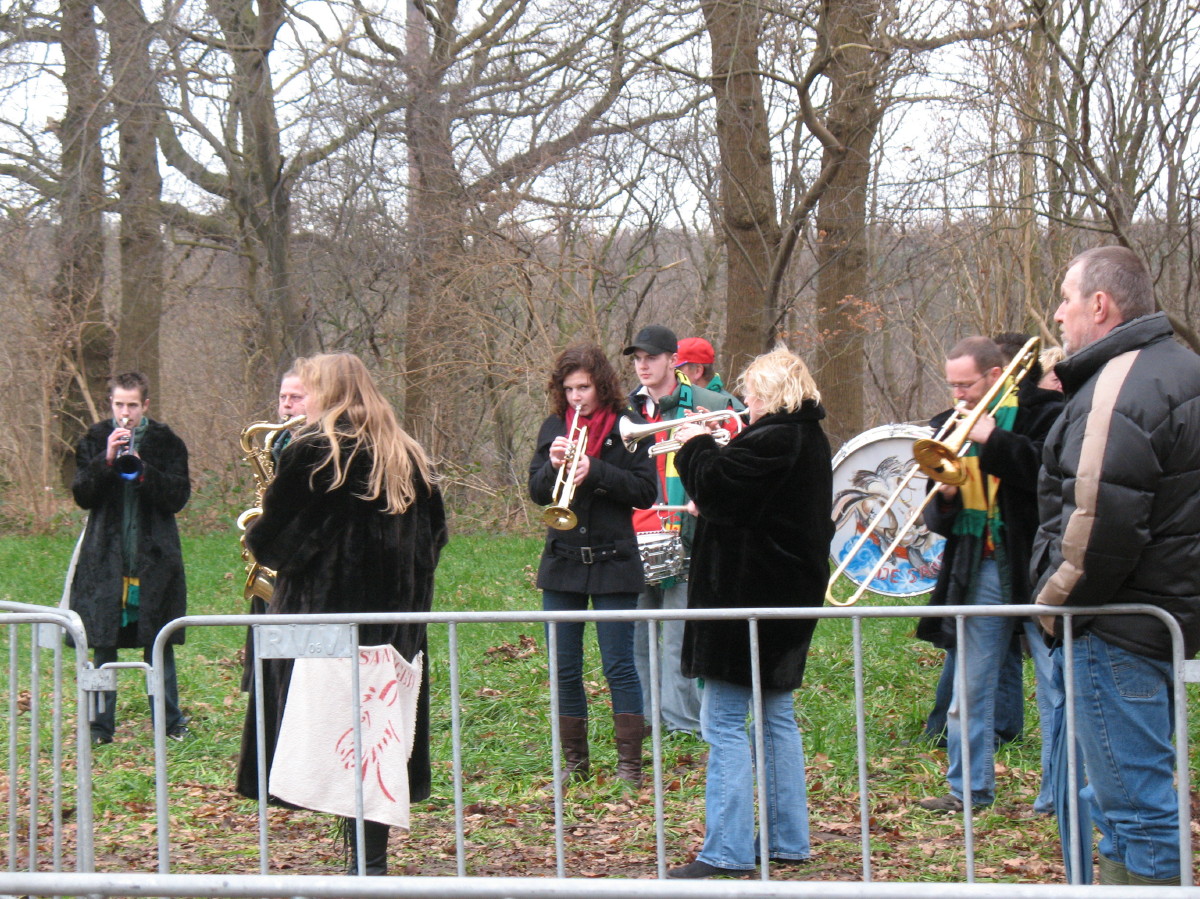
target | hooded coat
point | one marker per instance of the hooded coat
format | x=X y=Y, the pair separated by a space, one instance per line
x=163 y=490
x=762 y=539
x=335 y=552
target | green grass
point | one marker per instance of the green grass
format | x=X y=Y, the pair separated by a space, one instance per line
x=505 y=748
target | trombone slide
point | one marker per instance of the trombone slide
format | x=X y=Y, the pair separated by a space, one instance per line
x=937 y=458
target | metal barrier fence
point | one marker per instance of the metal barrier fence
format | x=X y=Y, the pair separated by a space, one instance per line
x=299 y=639
x=45 y=627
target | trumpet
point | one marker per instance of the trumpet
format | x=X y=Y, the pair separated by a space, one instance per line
x=937 y=458
x=632 y=435
x=558 y=514
x=128 y=465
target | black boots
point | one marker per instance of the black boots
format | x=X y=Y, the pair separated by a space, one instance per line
x=375 y=844
x=629 y=729
x=573 y=734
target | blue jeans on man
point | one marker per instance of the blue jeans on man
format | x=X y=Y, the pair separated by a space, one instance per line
x=1010 y=699
x=986 y=642
x=729 y=835
x=1124 y=722
x=680 y=700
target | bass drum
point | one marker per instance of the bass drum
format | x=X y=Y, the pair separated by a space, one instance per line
x=866 y=471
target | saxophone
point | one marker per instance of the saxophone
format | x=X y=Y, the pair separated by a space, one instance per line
x=257 y=441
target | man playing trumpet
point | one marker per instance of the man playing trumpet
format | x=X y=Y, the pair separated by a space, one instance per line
x=666 y=394
x=989 y=523
x=129 y=580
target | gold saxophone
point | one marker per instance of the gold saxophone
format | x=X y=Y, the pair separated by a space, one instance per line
x=257 y=440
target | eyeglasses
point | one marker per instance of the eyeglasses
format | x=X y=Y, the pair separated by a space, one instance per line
x=955 y=387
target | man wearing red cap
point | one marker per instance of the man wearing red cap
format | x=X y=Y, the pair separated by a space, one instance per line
x=696 y=359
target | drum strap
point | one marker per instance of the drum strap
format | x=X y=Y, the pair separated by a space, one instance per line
x=586 y=554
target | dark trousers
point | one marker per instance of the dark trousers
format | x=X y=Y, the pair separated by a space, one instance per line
x=105 y=722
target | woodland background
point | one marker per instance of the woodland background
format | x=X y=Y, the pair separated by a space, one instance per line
x=205 y=189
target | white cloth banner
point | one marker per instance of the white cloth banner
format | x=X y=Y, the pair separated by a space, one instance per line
x=314 y=757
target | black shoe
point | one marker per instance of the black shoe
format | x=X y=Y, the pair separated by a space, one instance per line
x=101 y=739
x=178 y=733
x=782 y=862
x=699 y=870
x=947 y=803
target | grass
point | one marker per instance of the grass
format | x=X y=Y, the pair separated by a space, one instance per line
x=508 y=820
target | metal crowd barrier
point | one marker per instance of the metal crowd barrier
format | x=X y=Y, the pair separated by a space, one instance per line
x=45 y=628
x=303 y=633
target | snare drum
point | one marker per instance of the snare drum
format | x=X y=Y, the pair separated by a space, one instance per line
x=662 y=555
x=866 y=471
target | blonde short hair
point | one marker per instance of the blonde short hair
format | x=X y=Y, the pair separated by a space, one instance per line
x=780 y=380
x=1050 y=357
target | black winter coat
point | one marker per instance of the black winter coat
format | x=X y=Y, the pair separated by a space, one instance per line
x=618 y=481
x=334 y=552
x=1120 y=489
x=762 y=539
x=1015 y=457
x=163 y=490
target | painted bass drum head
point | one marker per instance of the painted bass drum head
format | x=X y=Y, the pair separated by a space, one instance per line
x=866 y=471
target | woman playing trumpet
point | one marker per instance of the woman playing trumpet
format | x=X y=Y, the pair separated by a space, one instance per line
x=592 y=552
x=762 y=539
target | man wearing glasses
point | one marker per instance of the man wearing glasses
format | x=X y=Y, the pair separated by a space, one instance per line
x=989 y=524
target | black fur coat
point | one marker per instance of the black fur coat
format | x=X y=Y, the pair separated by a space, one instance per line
x=762 y=539
x=334 y=552
x=164 y=489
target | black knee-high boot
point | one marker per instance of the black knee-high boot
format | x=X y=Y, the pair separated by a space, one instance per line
x=375 y=845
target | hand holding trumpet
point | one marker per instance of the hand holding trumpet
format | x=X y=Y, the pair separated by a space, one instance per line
x=118 y=441
x=560 y=455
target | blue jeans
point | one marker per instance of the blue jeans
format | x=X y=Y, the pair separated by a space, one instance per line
x=1010 y=699
x=986 y=643
x=616 y=652
x=1124 y=722
x=105 y=724
x=729 y=840
x=679 y=697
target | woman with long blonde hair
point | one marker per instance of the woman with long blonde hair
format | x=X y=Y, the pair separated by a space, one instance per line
x=352 y=522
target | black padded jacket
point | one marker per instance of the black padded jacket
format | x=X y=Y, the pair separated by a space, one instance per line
x=1119 y=492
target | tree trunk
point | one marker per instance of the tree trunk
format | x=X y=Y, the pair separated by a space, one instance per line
x=135 y=102
x=435 y=227
x=747 y=217
x=84 y=336
x=841 y=215
x=263 y=196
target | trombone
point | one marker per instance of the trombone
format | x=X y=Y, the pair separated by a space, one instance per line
x=558 y=514
x=937 y=458
x=632 y=435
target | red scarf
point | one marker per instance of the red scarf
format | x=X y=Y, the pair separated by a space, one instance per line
x=599 y=424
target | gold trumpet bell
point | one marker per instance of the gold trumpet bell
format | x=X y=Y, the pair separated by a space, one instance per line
x=560 y=518
x=938 y=461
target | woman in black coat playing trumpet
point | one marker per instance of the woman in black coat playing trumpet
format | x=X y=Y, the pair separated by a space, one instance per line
x=762 y=539
x=591 y=549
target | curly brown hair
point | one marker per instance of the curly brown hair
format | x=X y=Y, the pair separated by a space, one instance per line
x=589 y=358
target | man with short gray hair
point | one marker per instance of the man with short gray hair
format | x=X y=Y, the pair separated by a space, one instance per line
x=1119 y=502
